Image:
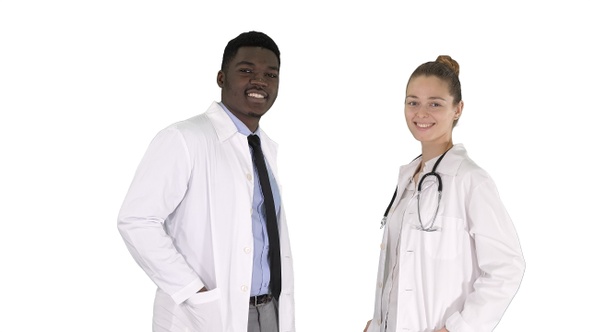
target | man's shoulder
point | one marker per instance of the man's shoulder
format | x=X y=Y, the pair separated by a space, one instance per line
x=200 y=123
x=194 y=122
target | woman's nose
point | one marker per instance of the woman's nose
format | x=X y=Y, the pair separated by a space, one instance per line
x=421 y=112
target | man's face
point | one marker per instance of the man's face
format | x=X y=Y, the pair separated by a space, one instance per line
x=250 y=84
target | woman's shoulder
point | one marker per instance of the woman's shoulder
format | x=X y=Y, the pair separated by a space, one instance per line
x=468 y=168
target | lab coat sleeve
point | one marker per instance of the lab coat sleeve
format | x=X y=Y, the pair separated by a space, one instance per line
x=159 y=185
x=499 y=257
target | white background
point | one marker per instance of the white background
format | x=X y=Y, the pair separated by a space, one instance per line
x=85 y=85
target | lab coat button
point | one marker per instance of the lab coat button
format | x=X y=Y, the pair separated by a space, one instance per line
x=249 y=177
x=382 y=246
x=244 y=288
x=247 y=250
x=380 y=284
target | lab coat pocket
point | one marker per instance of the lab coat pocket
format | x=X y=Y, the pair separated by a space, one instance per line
x=445 y=243
x=204 y=311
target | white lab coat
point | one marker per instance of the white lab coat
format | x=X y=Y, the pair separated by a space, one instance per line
x=463 y=276
x=187 y=222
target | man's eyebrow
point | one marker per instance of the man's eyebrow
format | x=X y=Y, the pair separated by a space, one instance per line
x=248 y=63
x=244 y=63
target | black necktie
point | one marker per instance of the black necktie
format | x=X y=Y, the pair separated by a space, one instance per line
x=271 y=217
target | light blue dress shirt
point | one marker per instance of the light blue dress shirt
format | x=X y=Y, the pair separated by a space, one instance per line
x=260 y=265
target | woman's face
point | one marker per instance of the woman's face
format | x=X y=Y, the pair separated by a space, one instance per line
x=430 y=111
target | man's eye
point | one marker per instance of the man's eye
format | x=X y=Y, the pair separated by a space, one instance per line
x=272 y=75
x=245 y=70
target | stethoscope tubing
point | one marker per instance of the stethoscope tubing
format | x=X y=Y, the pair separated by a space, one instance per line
x=439 y=188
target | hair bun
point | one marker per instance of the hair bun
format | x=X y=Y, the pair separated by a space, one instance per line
x=449 y=62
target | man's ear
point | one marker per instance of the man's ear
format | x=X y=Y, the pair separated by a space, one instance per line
x=220 y=78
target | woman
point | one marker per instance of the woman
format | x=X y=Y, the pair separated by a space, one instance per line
x=450 y=261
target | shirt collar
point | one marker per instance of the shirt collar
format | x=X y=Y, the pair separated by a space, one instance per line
x=242 y=128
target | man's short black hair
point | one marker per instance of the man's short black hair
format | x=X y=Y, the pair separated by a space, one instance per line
x=251 y=38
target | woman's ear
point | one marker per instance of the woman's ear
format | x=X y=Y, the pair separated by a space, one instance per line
x=459 y=110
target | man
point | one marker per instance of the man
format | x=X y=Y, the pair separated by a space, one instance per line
x=195 y=217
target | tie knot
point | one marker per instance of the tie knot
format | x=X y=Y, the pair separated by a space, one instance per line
x=254 y=140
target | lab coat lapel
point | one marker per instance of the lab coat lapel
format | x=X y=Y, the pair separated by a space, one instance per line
x=224 y=127
x=405 y=175
x=228 y=133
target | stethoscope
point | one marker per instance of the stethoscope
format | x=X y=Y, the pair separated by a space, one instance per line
x=430 y=227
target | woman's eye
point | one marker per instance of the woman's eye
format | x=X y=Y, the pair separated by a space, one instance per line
x=245 y=70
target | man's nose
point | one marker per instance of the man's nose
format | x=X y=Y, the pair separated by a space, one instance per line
x=258 y=80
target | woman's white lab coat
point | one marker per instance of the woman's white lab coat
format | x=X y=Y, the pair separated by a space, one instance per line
x=187 y=222
x=463 y=276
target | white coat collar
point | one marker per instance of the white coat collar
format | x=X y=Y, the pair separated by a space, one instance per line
x=224 y=126
x=449 y=165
